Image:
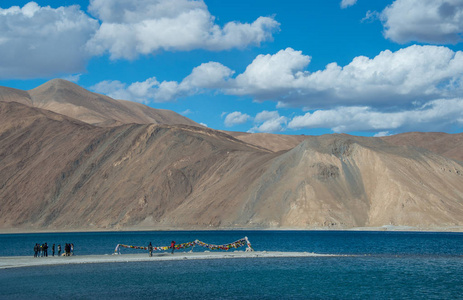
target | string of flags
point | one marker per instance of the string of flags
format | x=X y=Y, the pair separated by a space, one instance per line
x=239 y=243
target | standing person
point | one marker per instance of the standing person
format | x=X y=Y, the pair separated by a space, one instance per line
x=41 y=250
x=150 y=249
x=66 y=250
x=72 y=248
x=59 y=249
x=172 y=245
x=45 y=250
x=36 y=250
x=53 y=250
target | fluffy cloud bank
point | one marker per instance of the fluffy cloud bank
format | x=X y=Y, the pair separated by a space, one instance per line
x=436 y=115
x=42 y=41
x=269 y=121
x=207 y=76
x=405 y=84
x=391 y=79
x=130 y=28
x=236 y=118
x=429 y=21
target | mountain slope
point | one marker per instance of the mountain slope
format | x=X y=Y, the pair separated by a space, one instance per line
x=60 y=173
x=343 y=181
x=69 y=99
x=448 y=145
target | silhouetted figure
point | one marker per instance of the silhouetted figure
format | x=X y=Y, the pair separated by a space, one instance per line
x=59 y=249
x=45 y=250
x=150 y=249
x=53 y=250
x=71 y=248
x=36 y=250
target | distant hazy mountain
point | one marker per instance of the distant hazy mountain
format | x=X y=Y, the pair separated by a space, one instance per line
x=60 y=173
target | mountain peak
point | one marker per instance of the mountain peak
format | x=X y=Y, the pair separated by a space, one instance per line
x=67 y=98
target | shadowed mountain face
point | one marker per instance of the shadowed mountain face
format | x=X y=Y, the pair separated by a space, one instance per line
x=71 y=100
x=60 y=173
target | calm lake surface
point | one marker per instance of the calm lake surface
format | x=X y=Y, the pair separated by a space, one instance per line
x=383 y=265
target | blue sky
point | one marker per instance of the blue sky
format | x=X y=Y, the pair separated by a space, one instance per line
x=361 y=67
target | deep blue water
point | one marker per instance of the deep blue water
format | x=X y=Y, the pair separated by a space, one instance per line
x=386 y=265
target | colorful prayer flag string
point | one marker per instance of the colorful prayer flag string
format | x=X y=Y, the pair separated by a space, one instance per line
x=239 y=243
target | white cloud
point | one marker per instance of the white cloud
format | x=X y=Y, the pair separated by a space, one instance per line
x=371 y=16
x=236 y=118
x=387 y=80
x=403 y=84
x=429 y=21
x=271 y=75
x=269 y=121
x=137 y=91
x=205 y=77
x=186 y=112
x=436 y=115
x=347 y=3
x=382 y=133
x=266 y=115
x=210 y=75
x=73 y=78
x=131 y=28
x=42 y=41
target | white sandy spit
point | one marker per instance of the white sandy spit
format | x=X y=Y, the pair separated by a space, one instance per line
x=29 y=261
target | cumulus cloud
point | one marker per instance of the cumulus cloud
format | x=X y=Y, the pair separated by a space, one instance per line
x=205 y=77
x=347 y=3
x=435 y=115
x=138 y=91
x=269 y=121
x=388 y=92
x=389 y=79
x=131 y=28
x=236 y=118
x=429 y=21
x=40 y=41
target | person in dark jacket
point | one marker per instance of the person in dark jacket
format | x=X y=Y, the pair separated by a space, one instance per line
x=53 y=250
x=59 y=249
x=150 y=249
x=45 y=250
x=36 y=250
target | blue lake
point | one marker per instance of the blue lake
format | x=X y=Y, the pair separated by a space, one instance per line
x=384 y=265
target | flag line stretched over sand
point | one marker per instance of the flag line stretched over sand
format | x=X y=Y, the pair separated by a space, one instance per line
x=236 y=244
x=29 y=261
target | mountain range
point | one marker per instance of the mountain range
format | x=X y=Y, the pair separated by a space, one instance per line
x=71 y=159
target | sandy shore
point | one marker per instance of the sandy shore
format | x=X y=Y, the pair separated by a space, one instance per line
x=27 y=261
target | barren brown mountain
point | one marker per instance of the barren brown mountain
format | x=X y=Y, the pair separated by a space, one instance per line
x=449 y=145
x=58 y=173
x=69 y=99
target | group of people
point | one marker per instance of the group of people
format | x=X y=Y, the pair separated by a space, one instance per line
x=150 y=247
x=42 y=250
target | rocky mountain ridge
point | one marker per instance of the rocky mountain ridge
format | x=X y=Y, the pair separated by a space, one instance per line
x=61 y=173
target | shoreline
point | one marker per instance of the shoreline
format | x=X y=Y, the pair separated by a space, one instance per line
x=391 y=228
x=9 y=262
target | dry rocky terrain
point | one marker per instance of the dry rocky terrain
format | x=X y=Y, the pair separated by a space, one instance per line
x=75 y=160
